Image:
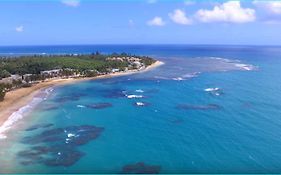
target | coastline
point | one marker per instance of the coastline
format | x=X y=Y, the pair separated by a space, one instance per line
x=16 y=99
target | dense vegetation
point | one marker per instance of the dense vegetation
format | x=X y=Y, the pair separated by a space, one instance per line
x=30 y=67
x=35 y=64
x=4 y=73
x=2 y=93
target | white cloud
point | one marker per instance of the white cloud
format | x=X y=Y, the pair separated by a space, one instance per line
x=273 y=7
x=19 y=29
x=179 y=17
x=156 y=21
x=230 y=11
x=71 y=3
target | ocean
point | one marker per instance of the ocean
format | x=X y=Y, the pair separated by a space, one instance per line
x=208 y=109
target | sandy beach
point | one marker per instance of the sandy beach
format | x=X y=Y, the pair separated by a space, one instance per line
x=18 y=98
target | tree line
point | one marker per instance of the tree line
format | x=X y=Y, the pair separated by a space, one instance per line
x=88 y=65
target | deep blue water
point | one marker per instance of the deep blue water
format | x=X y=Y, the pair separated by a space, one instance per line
x=184 y=127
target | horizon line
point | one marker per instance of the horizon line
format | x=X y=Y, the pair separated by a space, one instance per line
x=153 y=44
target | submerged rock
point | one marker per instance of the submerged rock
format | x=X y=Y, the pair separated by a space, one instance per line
x=58 y=147
x=39 y=126
x=64 y=158
x=199 y=107
x=57 y=155
x=82 y=136
x=33 y=155
x=141 y=168
x=113 y=93
x=73 y=135
x=70 y=97
x=67 y=98
x=46 y=136
x=99 y=105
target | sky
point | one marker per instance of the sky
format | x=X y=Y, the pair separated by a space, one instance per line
x=59 y=22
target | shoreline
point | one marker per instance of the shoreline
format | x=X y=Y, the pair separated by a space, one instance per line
x=18 y=98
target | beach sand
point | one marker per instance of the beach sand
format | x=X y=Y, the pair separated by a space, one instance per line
x=18 y=98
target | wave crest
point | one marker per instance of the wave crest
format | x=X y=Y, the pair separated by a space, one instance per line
x=20 y=113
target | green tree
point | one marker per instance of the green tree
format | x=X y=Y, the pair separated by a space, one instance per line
x=2 y=92
x=4 y=73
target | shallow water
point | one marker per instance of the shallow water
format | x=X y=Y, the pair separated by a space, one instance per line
x=182 y=128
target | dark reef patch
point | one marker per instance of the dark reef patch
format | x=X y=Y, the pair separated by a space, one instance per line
x=99 y=105
x=67 y=98
x=113 y=93
x=141 y=168
x=65 y=157
x=198 y=107
x=39 y=126
x=72 y=135
x=58 y=147
x=70 y=97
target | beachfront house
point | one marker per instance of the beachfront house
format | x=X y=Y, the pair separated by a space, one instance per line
x=51 y=73
x=9 y=80
x=129 y=59
x=115 y=59
x=115 y=70
x=137 y=64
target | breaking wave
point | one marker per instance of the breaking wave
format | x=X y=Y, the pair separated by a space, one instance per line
x=140 y=90
x=211 y=89
x=21 y=113
x=236 y=63
x=181 y=69
x=134 y=96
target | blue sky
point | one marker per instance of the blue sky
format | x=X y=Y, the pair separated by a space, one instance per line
x=140 y=22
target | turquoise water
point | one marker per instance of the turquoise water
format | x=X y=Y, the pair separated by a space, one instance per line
x=183 y=127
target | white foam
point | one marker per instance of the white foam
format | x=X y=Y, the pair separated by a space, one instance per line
x=134 y=96
x=140 y=104
x=217 y=94
x=160 y=77
x=211 y=89
x=70 y=135
x=191 y=75
x=18 y=115
x=140 y=91
x=178 y=79
x=245 y=66
x=237 y=63
x=222 y=59
x=48 y=91
x=80 y=106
